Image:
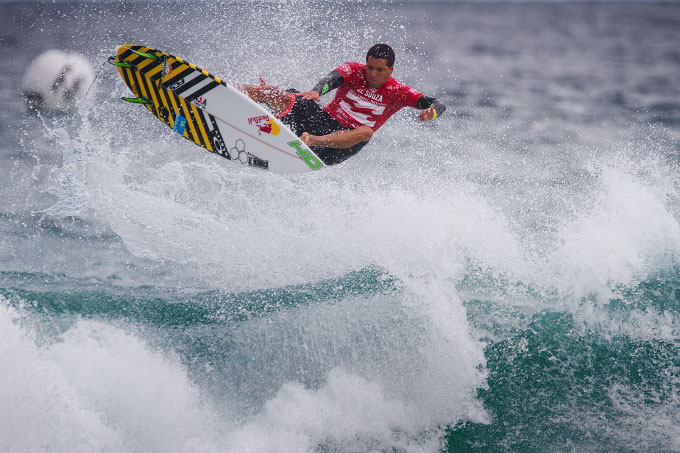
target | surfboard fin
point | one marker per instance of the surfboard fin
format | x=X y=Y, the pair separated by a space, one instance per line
x=137 y=100
x=122 y=64
x=145 y=54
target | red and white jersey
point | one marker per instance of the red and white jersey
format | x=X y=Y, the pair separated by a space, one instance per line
x=355 y=104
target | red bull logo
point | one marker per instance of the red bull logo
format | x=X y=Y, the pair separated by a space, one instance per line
x=265 y=124
x=201 y=102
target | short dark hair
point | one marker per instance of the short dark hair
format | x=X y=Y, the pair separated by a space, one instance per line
x=382 y=51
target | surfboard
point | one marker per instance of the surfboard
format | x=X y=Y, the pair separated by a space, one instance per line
x=205 y=110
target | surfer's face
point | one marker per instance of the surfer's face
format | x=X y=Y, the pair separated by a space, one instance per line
x=377 y=72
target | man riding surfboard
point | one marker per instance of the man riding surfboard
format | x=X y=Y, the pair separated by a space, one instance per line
x=367 y=96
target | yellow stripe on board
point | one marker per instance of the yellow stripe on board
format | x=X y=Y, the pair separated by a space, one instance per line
x=171 y=62
x=175 y=71
x=171 y=110
x=134 y=56
x=171 y=119
x=190 y=122
x=141 y=87
x=149 y=61
x=199 y=119
x=146 y=62
x=131 y=80
x=177 y=110
x=150 y=87
x=153 y=71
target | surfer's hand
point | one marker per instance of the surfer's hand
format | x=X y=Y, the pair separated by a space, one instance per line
x=264 y=87
x=313 y=95
x=427 y=114
x=307 y=139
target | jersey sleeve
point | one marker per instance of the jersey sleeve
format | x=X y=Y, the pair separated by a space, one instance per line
x=405 y=96
x=411 y=96
x=351 y=72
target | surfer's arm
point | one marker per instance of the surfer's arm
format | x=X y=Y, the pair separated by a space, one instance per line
x=328 y=83
x=339 y=139
x=431 y=108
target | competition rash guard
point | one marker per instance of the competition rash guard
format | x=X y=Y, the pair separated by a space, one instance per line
x=356 y=104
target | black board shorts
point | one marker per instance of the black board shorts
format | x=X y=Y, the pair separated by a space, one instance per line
x=306 y=115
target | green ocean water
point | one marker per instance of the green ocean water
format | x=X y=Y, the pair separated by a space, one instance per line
x=593 y=387
x=555 y=380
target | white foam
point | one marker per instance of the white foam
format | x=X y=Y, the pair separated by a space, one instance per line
x=348 y=411
x=39 y=408
x=239 y=229
x=97 y=388
x=246 y=229
x=628 y=234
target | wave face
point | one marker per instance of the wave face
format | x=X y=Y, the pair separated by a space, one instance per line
x=505 y=278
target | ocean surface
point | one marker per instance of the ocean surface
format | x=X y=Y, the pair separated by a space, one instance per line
x=505 y=278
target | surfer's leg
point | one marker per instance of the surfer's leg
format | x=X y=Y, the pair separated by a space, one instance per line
x=332 y=156
x=277 y=101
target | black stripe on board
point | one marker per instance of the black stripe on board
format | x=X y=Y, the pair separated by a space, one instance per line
x=198 y=93
x=216 y=139
x=128 y=52
x=186 y=115
x=159 y=75
x=182 y=112
x=127 y=74
x=140 y=84
x=193 y=82
x=201 y=117
x=159 y=110
x=177 y=77
x=151 y=66
x=196 y=126
x=162 y=110
x=137 y=60
x=173 y=112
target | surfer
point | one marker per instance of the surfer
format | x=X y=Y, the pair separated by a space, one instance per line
x=367 y=96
